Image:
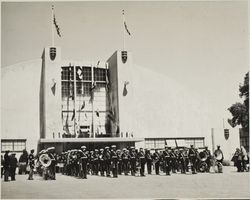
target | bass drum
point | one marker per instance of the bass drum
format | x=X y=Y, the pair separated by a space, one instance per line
x=202 y=167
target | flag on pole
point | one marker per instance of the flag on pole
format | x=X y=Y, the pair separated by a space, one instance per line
x=97 y=65
x=97 y=113
x=125 y=25
x=56 y=25
x=92 y=90
x=67 y=124
x=83 y=104
x=73 y=116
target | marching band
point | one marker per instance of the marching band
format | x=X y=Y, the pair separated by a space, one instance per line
x=128 y=161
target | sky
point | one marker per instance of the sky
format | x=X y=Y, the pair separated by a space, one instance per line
x=201 y=45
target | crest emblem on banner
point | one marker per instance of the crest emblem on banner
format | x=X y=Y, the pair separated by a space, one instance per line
x=226 y=133
x=124 y=56
x=52 y=53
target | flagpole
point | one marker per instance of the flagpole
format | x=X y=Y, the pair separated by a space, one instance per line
x=74 y=75
x=123 y=18
x=92 y=93
x=52 y=25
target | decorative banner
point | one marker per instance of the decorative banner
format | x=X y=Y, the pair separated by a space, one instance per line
x=83 y=105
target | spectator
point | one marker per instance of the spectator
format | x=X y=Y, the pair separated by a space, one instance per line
x=6 y=166
x=13 y=166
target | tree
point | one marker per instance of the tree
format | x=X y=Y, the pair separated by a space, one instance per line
x=240 y=111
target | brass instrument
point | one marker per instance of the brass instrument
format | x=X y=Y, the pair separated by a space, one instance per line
x=45 y=160
x=202 y=156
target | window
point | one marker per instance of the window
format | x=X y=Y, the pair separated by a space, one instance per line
x=13 y=145
x=99 y=74
x=67 y=73
x=67 y=89
x=159 y=144
x=86 y=73
x=149 y=144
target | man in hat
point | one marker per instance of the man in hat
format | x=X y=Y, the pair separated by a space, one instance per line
x=13 y=166
x=166 y=160
x=101 y=162
x=192 y=155
x=149 y=161
x=125 y=161
x=208 y=153
x=142 y=161
x=107 y=160
x=83 y=162
x=31 y=164
x=156 y=158
x=114 y=161
x=119 y=155
x=132 y=160
x=96 y=162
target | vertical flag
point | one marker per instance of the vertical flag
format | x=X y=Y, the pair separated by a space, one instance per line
x=125 y=91
x=92 y=90
x=125 y=25
x=83 y=105
x=97 y=113
x=53 y=88
x=55 y=23
x=73 y=116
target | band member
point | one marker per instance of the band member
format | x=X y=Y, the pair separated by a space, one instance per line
x=91 y=162
x=217 y=152
x=31 y=164
x=119 y=155
x=52 y=155
x=114 y=161
x=132 y=160
x=156 y=158
x=83 y=162
x=101 y=162
x=181 y=161
x=166 y=160
x=148 y=160
x=96 y=162
x=208 y=160
x=237 y=159
x=173 y=158
x=125 y=161
x=141 y=157
x=107 y=161
x=192 y=155
x=245 y=158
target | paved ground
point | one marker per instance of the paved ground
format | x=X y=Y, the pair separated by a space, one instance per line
x=230 y=184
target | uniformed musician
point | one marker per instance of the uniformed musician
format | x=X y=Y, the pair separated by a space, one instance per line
x=166 y=160
x=149 y=160
x=31 y=164
x=114 y=161
x=208 y=160
x=125 y=161
x=101 y=162
x=142 y=161
x=83 y=163
x=132 y=160
x=192 y=155
x=156 y=158
x=119 y=155
x=107 y=160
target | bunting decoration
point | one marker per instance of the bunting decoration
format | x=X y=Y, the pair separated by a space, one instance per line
x=97 y=113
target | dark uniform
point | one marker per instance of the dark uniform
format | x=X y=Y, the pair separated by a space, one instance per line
x=119 y=155
x=96 y=162
x=114 y=161
x=13 y=166
x=6 y=166
x=83 y=163
x=208 y=160
x=166 y=161
x=173 y=161
x=107 y=161
x=31 y=164
x=101 y=162
x=148 y=161
x=125 y=161
x=156 y=158
x=132 y=157
x=181 y=161
x=192 y=155
x=142 y=161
